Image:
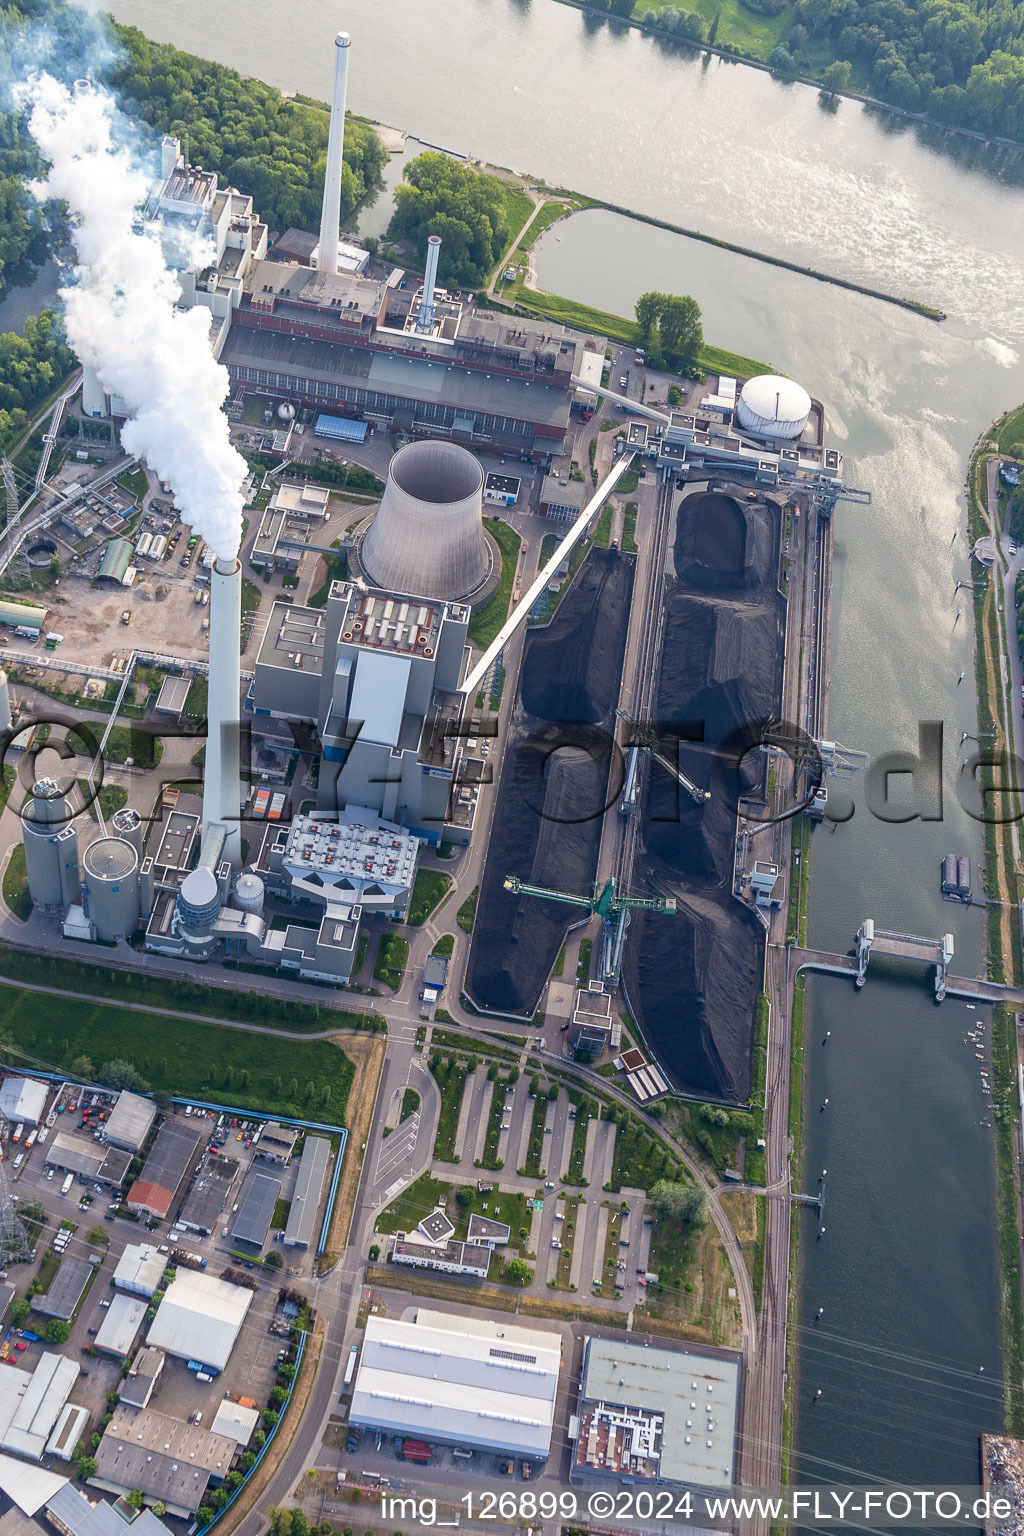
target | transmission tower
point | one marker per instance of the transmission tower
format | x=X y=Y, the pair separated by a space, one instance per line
x=14 y=1240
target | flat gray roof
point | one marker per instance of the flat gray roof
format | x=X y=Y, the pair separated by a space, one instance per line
x=171 y=698
x=209 y=1194
x=260 y=1193
x=308 y=1189
x=65 y=1289
x=131 y=1120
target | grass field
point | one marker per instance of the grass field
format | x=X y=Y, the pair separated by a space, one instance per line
x=405 y=1214
x=1011 y=430
x=451 y=1079
x=467 y=912
x=603 y=531
x=16 y=884
x=431 y=886
x=195 y=1058
x=392 y=955
x=485 y=624
x=753 y=35
x=629 y=543
x=135 y=482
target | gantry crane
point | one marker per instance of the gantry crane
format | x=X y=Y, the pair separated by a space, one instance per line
x=605 y=902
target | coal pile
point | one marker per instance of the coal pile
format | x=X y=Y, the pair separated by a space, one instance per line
x=693 y=979
x=557 y=780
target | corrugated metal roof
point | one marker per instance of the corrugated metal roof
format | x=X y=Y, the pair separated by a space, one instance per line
x=200 y=1317
x=308 y=1189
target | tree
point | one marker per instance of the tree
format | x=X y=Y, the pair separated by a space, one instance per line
x=675 y=396
x=159 y=1509
x=98 y=1236
x=57 y=1331
x=20 y=1310
x=467 y=210
x=464 y=1197
x=82 y=1067
x=685 y=1202
x=121 y=1074
x=836 y=76
x=204 y=1514
x=136 y=1499
x=716 y=22
x=300 y=1525
x=280 y=1520
x=517 y=1272
x=274 y=1259
x=86 y=1467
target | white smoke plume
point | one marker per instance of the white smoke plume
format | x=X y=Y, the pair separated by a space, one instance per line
x=120 y=313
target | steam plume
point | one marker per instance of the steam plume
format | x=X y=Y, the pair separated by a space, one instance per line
x=120 y=313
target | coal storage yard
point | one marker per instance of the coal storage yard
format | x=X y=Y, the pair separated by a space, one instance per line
x=692 y=980
x=559 y=775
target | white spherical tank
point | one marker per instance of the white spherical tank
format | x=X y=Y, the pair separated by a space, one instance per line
x=427 y=537
x=286 y=411
x=772 y=406
x=111 y=870
x=248 y=892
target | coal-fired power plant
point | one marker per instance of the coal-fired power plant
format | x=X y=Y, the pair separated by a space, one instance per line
x=427 y=538
x=330 y=216
x=222 y=795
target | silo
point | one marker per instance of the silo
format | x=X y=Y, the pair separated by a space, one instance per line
x=773 y=406
x=427 y=538
x=111 y=868
x=248 y=892
x=6 y=715
x=51 y=846
x=127 y=824
x=199 y=900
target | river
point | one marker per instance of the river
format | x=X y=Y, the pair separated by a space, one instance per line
x=907 y=1269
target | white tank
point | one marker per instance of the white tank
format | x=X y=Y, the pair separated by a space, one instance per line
x=111 y=877
x=772 y=406
x=6 y=717
x=286 y=411
x=127 y=823
x=248 y=892
x=427 y=538
x=51 y=847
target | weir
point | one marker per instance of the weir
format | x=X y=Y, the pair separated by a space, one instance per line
x=905 y=946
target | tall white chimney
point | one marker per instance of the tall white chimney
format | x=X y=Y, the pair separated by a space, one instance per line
x=222 y=796
x=330 y=217
x=425 y=316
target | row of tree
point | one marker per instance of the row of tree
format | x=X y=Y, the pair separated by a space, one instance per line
x=671 y=329
x=31 y=366
x=443 y=197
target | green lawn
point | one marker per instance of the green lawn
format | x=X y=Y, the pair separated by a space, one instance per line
x=197 y=1059
x=534 y=1165
x=405 y=1214
x=392 y=955
x=110 y=799
x=1011 y=430
x=251 y=596
x=490 y=1158
x=753 y=35
x=603 y=531
x=410 y=1104
x=578 y=1152
x=16 y=884
x=134 y=481
x=629 y=543
x=639 y=1160
x=467 y=912
x=450 y=1076
x=485 y=624
x=445 y=945
x=431 y=886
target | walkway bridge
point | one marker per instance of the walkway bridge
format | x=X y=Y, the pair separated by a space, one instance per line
x=937 y=953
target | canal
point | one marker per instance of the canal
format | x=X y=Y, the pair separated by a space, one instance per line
x=907 y=1269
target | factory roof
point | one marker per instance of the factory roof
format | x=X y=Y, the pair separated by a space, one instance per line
x=556 y=491
x=75 y=1515
x=31 y=1404
x=681 y=1424
x=200 y=1318
x=308 y=1189
x=171 y=698
x=76 y=1154
x=68 y=1430
x=387 y=621
x=117 y=557
x=120 y=1326
x=29 y=1487
x=209 y=1194
x=260 y=1193
x=66 y=1289
x=236 y=1422
x=130 y=1121
x=503 y=485
x=437 y=1226
x=23 y=1099
x=277 y=1140
x=301 y=500
x=350 y=861
x=493 y=1385
x=137 y=1387
x=21 y=615
x=273 y=287
x=162 y=1457
x=294 y=639
x=342 y=429
x=164 y=1168
x=390 y=375
x=7 y=1295
x=140 y=1268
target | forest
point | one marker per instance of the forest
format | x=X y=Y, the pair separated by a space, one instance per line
x=31 y=367
x=442 y=197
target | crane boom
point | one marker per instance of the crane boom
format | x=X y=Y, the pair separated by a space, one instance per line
x=605 y=902
x=646 y=739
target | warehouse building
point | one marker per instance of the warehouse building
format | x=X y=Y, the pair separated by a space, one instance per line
x=463 y=1381
x=72 y=1514
x=655 y=1415
x=156 y=1188
x=276 y=1142
x=200 y=1318
x=68 y=1430
x=207 y=1200
x=66 y=1289
x=235 y=1420
x=31 y=1403
x=23 y=1100
x=140 y=1269
x=309 y=1186
x=166 y=1460
x=138 y=1386
x=90 y=1159
x=131 y=1119
x=120 y=1326
x=260 y=1194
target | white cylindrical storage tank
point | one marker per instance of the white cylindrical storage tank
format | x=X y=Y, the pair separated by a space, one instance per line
x=6 y=715
x=772 y=406
x=111 y=870
x=127 y=824
x=427 y=538
x=50 y=843
x=248 y=892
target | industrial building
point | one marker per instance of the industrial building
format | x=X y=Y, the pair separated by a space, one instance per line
x=167 y=1461
x=72 y=1514
x=465 y=1381
x=171 y=698
x=130 y=1121
x=260 y=1193
x=23 y=1100
x=502 y=490
x=91 y=1160
x=592 y=1027
x=208 y=1198
x=120 y=1326
x=309 y=1187
x=200 y=1318
x=449 y=1258
x=66 y=1289
x=277 y=1142
x=140 y=1269
x=236 y=1421
x=32 y=1402
x=138 y=1386
x=655 y=1415
x=68 y=1430
x=156 y=1188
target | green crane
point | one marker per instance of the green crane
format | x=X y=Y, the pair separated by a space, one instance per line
x=605 y=901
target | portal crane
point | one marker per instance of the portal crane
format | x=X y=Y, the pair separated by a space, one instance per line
x=605 y=902
x=646 y=739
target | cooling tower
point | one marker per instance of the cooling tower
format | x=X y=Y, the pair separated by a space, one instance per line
x=427 y=539
x=222 y=794
x=111 y=870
